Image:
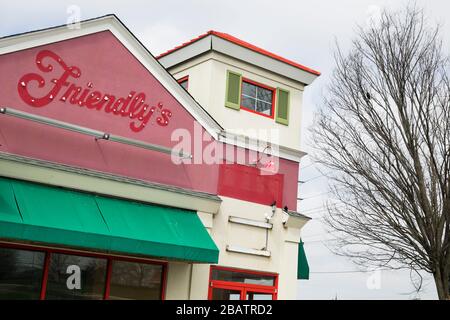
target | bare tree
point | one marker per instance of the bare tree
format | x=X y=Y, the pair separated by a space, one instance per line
x=384 y=132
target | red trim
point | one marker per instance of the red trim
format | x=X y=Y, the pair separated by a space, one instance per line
x=108 y=279
x=185 y=78
x=164 y=281
x=259 y=84
x=45 y=276
x=272 y=112
x=262 y=273
x=244 y=44
x=226 y=286
x=110 y=258
x=184 y=44
x=210 y=283
x=35 y=247
x=242 y=287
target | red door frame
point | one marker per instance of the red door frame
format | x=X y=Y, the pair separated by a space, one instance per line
x=242 y=287
x=110 y=258
x=226 y=286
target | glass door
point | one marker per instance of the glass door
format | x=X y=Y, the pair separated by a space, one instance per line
x=254 y=295
x=226 y=294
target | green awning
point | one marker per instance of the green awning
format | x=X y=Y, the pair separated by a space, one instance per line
x=302 y=264
x=49 y=215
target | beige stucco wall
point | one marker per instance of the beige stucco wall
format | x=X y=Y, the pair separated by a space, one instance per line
x=178 y=281
x=207 y=84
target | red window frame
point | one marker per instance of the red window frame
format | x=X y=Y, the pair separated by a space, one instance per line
x=48 y=252
x=242 y=287
x=185 y=78
x=272 y=112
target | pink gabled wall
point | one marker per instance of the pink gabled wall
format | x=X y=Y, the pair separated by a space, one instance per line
x=107 y=66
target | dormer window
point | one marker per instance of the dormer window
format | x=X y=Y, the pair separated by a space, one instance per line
x=258 y=98
x=248 y=95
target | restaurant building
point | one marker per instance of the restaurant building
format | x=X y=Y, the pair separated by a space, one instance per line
x=129 y=176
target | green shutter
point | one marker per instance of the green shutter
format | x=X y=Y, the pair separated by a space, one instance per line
x=233 y=91
x=302 y=263
x=282 y=111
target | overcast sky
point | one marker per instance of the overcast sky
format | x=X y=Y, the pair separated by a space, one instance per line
x=304 y=31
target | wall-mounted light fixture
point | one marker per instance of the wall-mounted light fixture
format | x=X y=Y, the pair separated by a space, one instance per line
x=285 y=216
x=269 y=216
x=98 y=135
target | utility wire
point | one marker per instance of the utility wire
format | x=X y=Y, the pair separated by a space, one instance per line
x=314 y=196
x=309 y=165
x=316 y=241
x=352 y=271
x=318 y=235
x=318 y=212
x=313 y=209
x=322 y=208
x=314 y=178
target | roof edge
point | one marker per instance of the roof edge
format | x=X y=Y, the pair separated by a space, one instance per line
x=244 y=44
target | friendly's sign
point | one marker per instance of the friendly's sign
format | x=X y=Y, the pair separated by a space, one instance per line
x=132 y=107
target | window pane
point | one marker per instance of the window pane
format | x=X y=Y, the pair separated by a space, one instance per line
x=130 y=280
x=20 y=274
x=265 y=95
x=264 y=107
x=259 y=296
x=248 y=89
x=76 y=277
x=226 y=275
x=225 y=294
x=256 y=98
x=248 y=103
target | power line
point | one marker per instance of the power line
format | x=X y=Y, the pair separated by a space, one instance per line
x=314 y=196
x=316 y=177
x=315 y=236
x=316 y=241
x=352 y=271
x=317 y=212
x=321 y=219
x=322 y=208
x=312 y=209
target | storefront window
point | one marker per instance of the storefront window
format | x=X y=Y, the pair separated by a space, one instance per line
x=232 y=284
x=20 y=273
x=53 y=275
x=76 y=277
x=131 y=280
